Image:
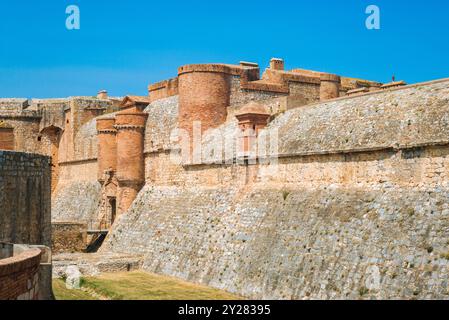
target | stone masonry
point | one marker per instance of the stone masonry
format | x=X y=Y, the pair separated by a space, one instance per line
x=25 y=218
x=290 y=184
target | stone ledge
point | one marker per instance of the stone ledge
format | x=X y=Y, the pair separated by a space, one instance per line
x=28 y=259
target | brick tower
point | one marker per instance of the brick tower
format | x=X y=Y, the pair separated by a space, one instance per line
x=130 y=125
x=204 y=93
x=330 y=86
x=107 y=147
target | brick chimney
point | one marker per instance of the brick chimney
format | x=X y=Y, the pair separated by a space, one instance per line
x=103 y=94
x=277 y=64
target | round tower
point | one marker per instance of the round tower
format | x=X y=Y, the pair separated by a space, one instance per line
x=204 y=94
x=330 y=86
x=130 y=127
x=107 y=146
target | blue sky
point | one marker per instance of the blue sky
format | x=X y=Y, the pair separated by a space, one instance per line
x=123 y=46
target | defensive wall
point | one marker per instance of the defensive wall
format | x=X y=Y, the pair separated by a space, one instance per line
x=346 y=197
x=355 y=205
x=25 y=218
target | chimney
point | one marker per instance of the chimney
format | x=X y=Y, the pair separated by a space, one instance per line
x=277 y=64
x=103 y=94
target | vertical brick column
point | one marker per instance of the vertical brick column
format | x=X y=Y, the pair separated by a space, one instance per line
x=130 y=127
x=107 y=147
x=277 y=64
x=204 y=95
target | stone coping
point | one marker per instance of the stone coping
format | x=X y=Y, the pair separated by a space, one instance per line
x=211 y=67
x=254 y=159
x=27 y=154
x=415 y=85
x=78 y=161
x=27 y=259
x=69 y=223
x=162 y=84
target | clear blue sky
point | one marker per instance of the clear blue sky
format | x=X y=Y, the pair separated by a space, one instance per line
x=123 y=46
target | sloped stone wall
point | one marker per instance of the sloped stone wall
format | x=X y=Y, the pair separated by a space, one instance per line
x=294 y=244
x=329 y=227
x=356 y=207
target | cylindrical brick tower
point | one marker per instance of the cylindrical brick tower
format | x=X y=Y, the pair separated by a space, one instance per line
x=204 y=94
x=107 y=146
x=330 y=86
x=130 y=127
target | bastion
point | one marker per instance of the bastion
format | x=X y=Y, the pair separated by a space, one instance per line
x=281 y=184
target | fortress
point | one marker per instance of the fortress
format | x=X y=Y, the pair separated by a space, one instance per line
x=291 y=185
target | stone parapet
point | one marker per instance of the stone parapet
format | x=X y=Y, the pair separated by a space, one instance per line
x=163 y=89
x=19 y=276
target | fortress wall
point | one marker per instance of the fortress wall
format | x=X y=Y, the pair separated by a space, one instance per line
x=309 y=92
x=52 y=112
x=79 y=145
x=324 y=228
x=25 y=198
x=77 y=196
x=86 y=142
x=162 y=119
x=12 y=104
x=26 y=133
x=412 y=116
x=404 y=168
x=163 y=89
x=25 y=218
x=241 y=96
x=342 y=216
x=161 y=171
x=78 y=171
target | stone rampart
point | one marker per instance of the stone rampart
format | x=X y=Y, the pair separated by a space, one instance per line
x=355 y=205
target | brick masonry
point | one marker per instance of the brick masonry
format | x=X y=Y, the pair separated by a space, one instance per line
x=19 y=276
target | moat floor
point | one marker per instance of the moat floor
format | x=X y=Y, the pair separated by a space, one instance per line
x=137 y=286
